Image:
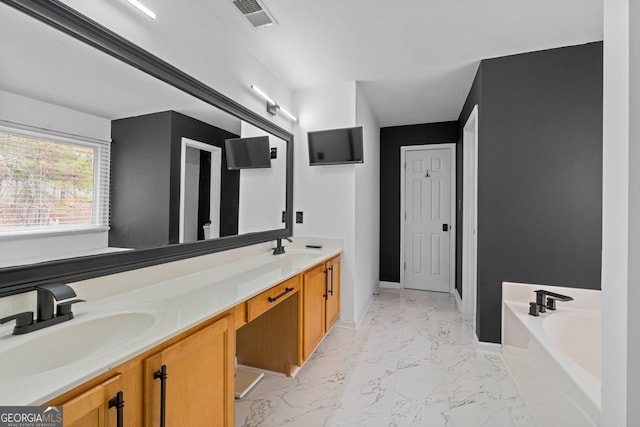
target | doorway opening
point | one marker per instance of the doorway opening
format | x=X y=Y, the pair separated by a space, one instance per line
x=427 y=226
x=200 y=175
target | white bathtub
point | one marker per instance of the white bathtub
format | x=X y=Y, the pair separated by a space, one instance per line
x=555 y=361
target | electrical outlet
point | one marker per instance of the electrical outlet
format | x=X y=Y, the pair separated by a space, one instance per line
x=299 y=217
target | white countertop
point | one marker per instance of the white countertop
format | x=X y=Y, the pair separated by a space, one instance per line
x=111 y=330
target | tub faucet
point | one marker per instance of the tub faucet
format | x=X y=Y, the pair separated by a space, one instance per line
x=546 y=300
x=279 y=249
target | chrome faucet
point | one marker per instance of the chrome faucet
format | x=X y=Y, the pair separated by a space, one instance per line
x=279 y=249
x=546 y=300
x=47 y=295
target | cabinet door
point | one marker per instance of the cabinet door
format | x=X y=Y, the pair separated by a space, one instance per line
x=198 y=380
x=92 y=409
x=313 y=311
x=333 y=293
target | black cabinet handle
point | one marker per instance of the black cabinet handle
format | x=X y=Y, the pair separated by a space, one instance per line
x=331 y=290
x=274 y=299
x=161 y=374
x=326 y=284
x=118 y=403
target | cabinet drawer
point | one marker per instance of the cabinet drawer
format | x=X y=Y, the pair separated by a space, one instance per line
x=272 y=297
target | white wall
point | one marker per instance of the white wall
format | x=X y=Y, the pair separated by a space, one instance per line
x=263 y=190
x=341 y=201
x=367 y=212
x=326 y=194
x=191 y=39
x=30 y=112
x=621 y=208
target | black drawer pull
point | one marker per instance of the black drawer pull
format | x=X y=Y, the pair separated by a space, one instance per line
x=274 y=299
x=118 y=403
x=161 y=374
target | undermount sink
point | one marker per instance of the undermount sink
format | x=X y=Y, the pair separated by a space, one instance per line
x=290 y=256
x=64 y=344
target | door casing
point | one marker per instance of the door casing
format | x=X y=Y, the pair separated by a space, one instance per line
x=470 y=218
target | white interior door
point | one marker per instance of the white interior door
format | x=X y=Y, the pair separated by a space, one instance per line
x=427 y=225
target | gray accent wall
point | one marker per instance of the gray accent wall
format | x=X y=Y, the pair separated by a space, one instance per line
x=391 y=140
x=539 y=173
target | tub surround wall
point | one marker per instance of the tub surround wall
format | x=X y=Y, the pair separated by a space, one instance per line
x=555 y=358
x=539 y=173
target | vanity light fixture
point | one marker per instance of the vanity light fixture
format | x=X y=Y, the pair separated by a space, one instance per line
x=272 y=106
x=142 y=8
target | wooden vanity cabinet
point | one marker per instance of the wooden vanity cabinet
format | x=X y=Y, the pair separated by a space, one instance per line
x=189 y=379
x=321 y=303
x=100 y=406
x=332 y=302
x=313 y=308
x=199 y=390
x=191 y=382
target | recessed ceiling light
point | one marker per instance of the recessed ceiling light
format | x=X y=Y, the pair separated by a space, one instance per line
x=142 y=8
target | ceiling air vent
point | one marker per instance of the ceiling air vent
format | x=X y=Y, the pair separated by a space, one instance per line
x=255 y=12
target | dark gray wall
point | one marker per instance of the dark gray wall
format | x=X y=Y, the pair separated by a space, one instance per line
x=140 y=165
x=391 y=139
x=145 y=178
x=539 y=173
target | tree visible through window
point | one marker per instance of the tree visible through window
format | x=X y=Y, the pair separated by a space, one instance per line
x=47 y=185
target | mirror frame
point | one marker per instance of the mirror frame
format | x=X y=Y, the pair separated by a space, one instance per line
x=18 y=279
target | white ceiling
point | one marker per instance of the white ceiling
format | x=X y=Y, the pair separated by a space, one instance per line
x=42 y=63
x=415 y=59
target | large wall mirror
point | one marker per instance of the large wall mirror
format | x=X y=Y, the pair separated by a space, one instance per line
x=176 y=190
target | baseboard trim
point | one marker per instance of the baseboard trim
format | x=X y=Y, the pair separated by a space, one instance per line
x=458 y=299
x=391 y=285
x=348 y=324
x=487 y=347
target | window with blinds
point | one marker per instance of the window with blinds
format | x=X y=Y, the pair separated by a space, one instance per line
x=52 y=183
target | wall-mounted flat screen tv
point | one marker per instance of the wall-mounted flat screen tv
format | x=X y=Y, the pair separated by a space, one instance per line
x=248 y=153
x=335 y=146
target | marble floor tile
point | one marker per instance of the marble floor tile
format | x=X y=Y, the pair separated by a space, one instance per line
x=411 y=363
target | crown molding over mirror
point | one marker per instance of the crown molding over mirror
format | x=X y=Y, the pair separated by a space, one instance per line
x=24 y=278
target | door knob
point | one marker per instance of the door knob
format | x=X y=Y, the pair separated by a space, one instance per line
x=445 y=227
